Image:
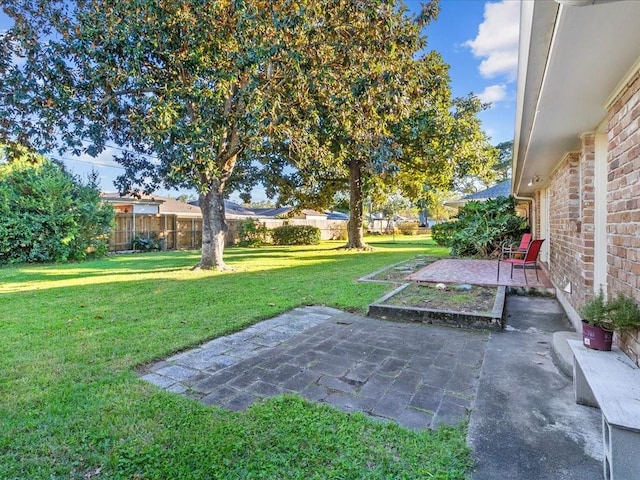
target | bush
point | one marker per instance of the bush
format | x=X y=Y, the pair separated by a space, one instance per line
x=338 y=231
x=408 y=228
x=296 y=235
x=147 y=244
x=481 y=228
x=48 y=215
x=253 y=233
x=442 y=233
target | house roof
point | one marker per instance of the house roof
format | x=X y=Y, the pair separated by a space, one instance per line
x=572 y=60
x=171 y=206
x=272 y=212
x=336 y=215
x=308 y=212
x=232 y=208
x=175 y=207
x=166 y=205
x=144 y=200
x=502 y=189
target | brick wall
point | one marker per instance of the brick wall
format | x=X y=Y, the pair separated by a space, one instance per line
x=570 y=254
x=623 y=202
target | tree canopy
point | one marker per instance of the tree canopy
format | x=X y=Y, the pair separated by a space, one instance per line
x=387 y=122
x=505 y=158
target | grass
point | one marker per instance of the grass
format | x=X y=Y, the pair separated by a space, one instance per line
x=72 y=407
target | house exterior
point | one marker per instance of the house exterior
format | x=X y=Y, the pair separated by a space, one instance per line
x=174 y=224
x=577 y=146
x=501 y=189
x=178 y=225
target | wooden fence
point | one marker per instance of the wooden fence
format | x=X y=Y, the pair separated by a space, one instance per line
x=173 y=233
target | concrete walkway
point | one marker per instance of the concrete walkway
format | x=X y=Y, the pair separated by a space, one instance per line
x=524 y=423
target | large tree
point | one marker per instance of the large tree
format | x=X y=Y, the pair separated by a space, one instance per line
x=189 y=89
x=386 y=120
x=505 y=158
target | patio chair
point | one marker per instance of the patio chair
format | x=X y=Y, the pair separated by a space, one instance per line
x=530 y=258
x=508 y=251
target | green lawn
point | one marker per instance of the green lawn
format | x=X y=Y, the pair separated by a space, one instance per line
x=71 y=405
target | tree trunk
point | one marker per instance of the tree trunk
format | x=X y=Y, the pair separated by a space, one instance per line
x=214 y=227
x=354 y=226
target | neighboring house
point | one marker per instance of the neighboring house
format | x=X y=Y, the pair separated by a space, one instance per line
x=178 y=225
x=502 y=189
x=577 y=146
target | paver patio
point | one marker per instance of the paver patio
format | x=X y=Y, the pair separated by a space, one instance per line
x=419 y=377
x=478 y=272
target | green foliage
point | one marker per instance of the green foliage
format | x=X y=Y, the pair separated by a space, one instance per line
x=296 y=235
x=253 y=233
x=625 y=313
x=596 y=311
x=147 y=244
x=442 y=233
x=481 y=227
x=408 y=228
x=621 y=314
x=338 y=89
x=47 y=215
x=338 y=230
x=505 y=158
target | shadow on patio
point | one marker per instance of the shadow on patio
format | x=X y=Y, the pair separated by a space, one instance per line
x=479 y=272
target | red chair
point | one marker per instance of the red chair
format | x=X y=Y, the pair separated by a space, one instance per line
x=530 y=258
x=510 y=252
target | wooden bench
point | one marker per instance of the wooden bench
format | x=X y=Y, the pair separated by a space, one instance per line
x=611 y=382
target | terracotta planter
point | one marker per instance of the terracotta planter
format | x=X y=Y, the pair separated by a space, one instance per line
x=596 y=338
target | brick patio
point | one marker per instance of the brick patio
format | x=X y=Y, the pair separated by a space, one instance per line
x=479 y=272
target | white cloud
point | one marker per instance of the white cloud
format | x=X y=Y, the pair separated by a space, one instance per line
x=497 y=39
x=493 y=93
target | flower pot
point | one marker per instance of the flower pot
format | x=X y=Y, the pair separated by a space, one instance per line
x=596 y=338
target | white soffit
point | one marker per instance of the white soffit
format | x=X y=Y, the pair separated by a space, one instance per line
x=591 y=51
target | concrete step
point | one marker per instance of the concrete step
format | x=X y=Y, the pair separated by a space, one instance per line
x=561 y=352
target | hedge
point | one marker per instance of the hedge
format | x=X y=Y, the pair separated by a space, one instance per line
x=296 y=235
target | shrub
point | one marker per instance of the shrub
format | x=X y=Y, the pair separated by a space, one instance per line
x=253 y=233
x=338 y=231
x=296 y=235
x=47 y=214
x=408 y=228
x=481 y=227
x=442 y=233
x=147 y=244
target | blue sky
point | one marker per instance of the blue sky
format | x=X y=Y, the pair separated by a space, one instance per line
x=477 y=39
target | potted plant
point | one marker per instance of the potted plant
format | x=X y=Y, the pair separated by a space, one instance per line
x=624 y=313
x=597 y=327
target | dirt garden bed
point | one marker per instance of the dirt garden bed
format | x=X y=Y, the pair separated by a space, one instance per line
x=459 y=298
x=462 y=306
